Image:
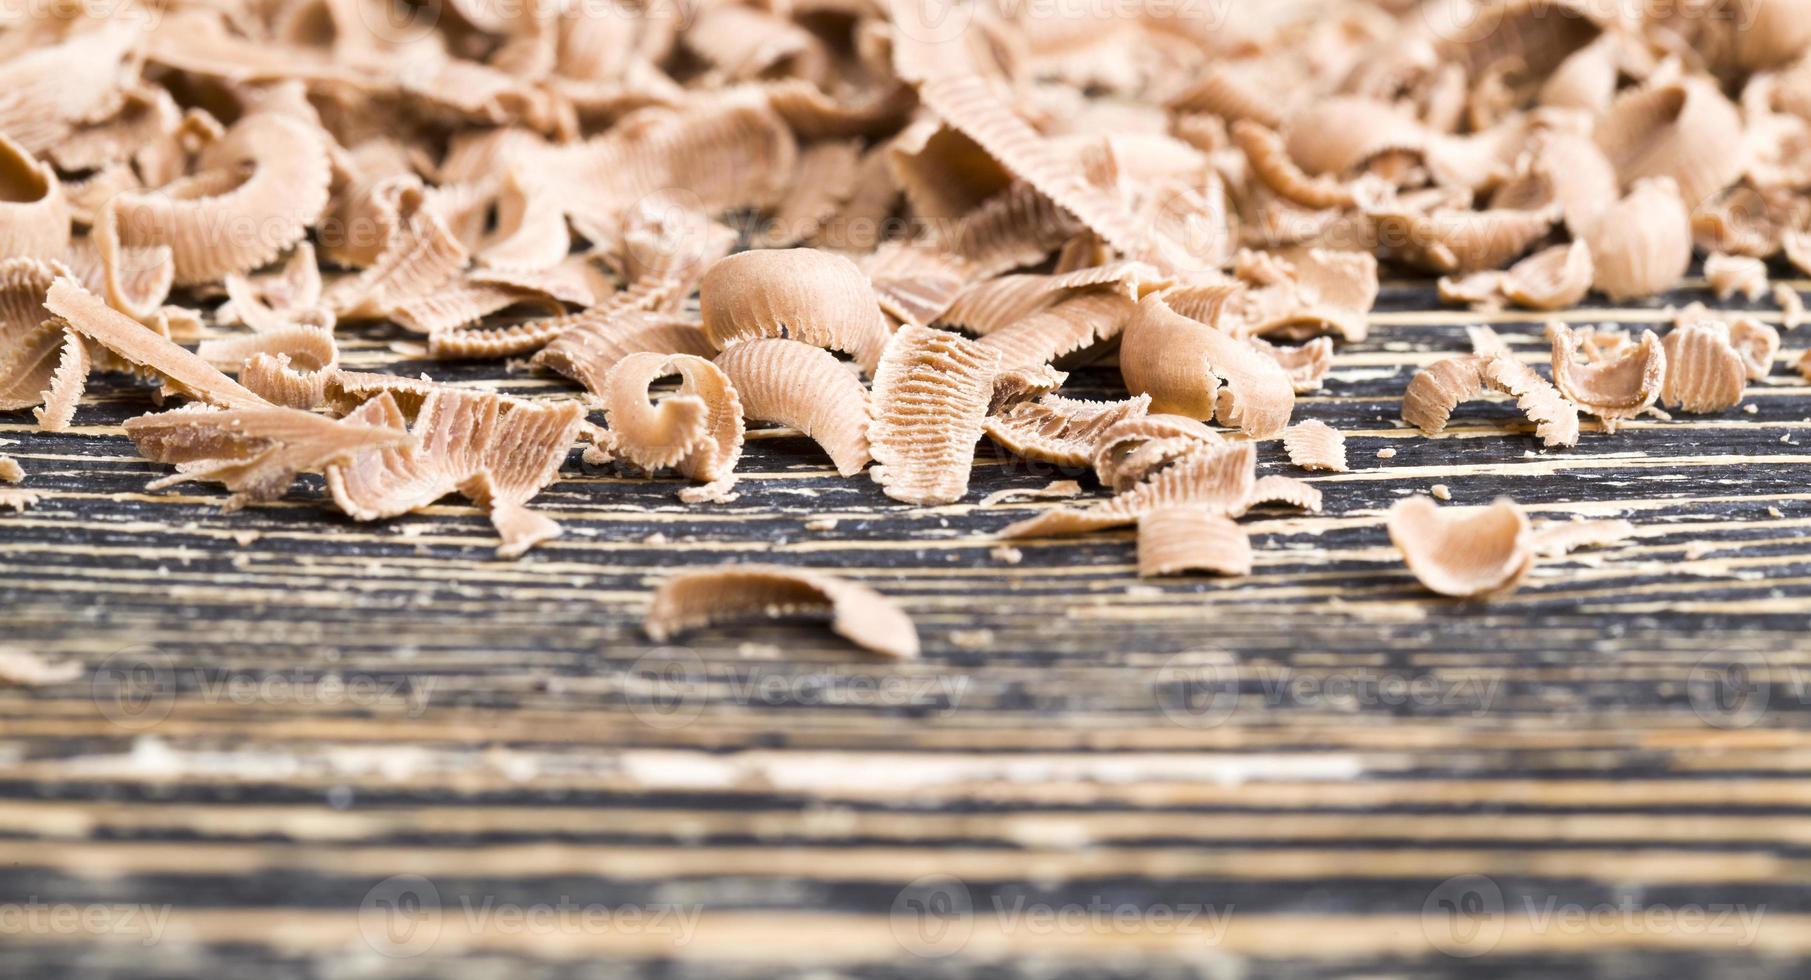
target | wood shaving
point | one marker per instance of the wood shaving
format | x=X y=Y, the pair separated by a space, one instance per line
x=1560 y=538
x=1614 y=386
x=697 y=430
x=1306 y=365
x=1064 y=431
x=795 y=384
x=857 y=613
x=929 y=405
x=1132 y=449
x=1463 y=551
x=1439 y=388
x=1190 y=368
x=20 y=667
x=1172 y=540
x=1704 y=371
x=1315 y=445
x=1216 y=478
x=1732 y=274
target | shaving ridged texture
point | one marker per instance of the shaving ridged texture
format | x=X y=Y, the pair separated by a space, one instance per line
x=587 y=352
x=1070 y=326
x=497 y=452
x=1757 y=343
x=857 y=613
x=1551 y=279
x=1463 y=551
x=289 y=366
x=421 y=256
x=1459 y=241
x=136 y=344
x=1437 y=389
x=1190 y=539
x=1613 y=389
x=931 y=394
x=1063 y=431
x=456 y=306
x=802 y=386
x=1190 y=368
x=915 y=282
x=66 y=385
x=288 y=297
x=1337 y=135
x=1016 y=227
x=31 y=337
x=826 y=177
x=1642 y=244
x=1732 y=274
x=1560 y=538
x=255 y=452
x=219 y=222
x=1704 y=371
x=34 y=212
x=1686 y=130
x=1132 y=449
x=1284 y=490
x=697 y=431
x=801 y=294
x=1270 y=162
x=996 y=304
x=1306 y=365
x=1217 y=478
x=1315 y=445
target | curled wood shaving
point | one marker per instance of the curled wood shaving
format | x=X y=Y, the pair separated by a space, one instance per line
x=497 y=452
x=1557 y=539
x=224 y=220
x=1459 y=241
x=1217 y=478
x=1685 y=130
x=1642 y=244
x=287 y=366
x=1732 y=274
x=697 y=430
x=87 y=315
x=1284 y=490
x=930 y=401
x=802 y=294
x=1130 y=450
x=1758 y=344
x=795 y=384
x=1172 y=540
x=20 y=667
x=256 y=452
x=1306 y=365
x=1614 y=386
x=1315 y=445
x=1551 y=279
x=1063 y=431
x=1704 y=371
x=857 y=613
x=274 y=301
x=1439 y=388
x=587 y=350
x=1463 y=551
x=1071 y=326
x=34 y=212
x=31 y=336
x=1190 y=368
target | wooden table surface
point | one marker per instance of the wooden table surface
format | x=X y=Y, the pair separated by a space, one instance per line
x=305 y=747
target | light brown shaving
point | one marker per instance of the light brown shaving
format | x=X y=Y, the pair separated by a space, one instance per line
x=1463 y=551
x=1684 y=130
x=1063 y=431
x=1642 y=244
x=698 y=430
x=10 y=470
x=34 y=212
x=136 y=344
x=1189 y=368
x=1306 y=365
x=1704 y=371
x=1732 y=274
x=1616 y=386
x=497 y=452
x=588 y=350
x=1315 y=445
x=1218 y=479
x=255 y=452
x=1551 y=279
x=1189 y=539
x=1758 y=344
x=694 y=600
x=1131 y=450
x=1448 y=241
x=802 y=294
x=1557 y=539
x=20 y=667
x=931 y=394
x=802 y=386
x=1285 y=490
x=287 y=366
x=1439 y=388
x=1071 y=326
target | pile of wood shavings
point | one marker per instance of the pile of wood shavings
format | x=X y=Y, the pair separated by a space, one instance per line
x=889 y=229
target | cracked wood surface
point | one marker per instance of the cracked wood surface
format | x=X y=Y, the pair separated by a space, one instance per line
x=305 y=747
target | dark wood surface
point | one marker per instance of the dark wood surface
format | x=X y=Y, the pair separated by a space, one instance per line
x=1287 y=775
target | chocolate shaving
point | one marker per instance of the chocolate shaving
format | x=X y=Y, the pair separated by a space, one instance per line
x=1190 y=368
x=1732 y=274
x=805 y=387
x=1463 y=551
x=1214 y=478
x=799 y=294
x=1063 y=431
x=1436 y=390
x=931 y=394
x=1172 y=540
x=1315 y=445
x=1704 y=371
x=1615 y=386
x=697 y=430
x=694 y=600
